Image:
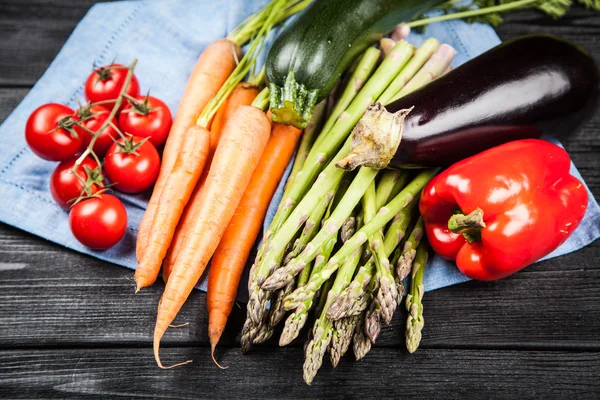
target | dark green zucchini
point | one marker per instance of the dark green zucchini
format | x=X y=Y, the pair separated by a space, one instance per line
x=311 y=54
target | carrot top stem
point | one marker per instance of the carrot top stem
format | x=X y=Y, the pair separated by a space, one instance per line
x=262 y=100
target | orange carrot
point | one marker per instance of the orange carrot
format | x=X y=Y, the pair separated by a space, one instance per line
x=241 y=146
x=176 y=194
x=212 y=69
x=242 y=95
x=231 y=255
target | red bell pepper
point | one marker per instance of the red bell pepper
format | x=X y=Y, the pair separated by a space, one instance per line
x=521 y=202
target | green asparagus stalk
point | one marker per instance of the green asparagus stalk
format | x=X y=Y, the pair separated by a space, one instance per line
x=309 y=137
x=434 y=67
x=414 y=300
x=373 y=317
x=312 y=226
x=341 y=338
x=362 y=344
x=282 y=276
x=277 y=311
x=385 y=214
x=391 y=182
x=387 y=294
x=297 y=319
x=264 y=333
x=361 y=74
x=319 y=155
x=420 y=57
x=322 y=331
x=404 y=264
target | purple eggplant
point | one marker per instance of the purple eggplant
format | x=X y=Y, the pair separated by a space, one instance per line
x=524 y=88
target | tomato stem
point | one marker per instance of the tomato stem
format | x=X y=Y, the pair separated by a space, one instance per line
x=89 y=150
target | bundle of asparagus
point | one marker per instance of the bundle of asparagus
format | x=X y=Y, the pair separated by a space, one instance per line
x=330 y=244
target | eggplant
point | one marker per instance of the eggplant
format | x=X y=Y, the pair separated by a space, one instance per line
x=524 y=88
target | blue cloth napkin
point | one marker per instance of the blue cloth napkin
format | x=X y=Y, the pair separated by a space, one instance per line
x=167 y=38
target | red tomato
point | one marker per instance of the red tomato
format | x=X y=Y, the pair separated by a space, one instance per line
x=105 y=83
x=92 y=118
x=99 y=222
x=65 y=185
x=149 y=117
x=50 y=134
x=132 y=165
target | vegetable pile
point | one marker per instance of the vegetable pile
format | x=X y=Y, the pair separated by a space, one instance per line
x=372 y=119
x=116 y=124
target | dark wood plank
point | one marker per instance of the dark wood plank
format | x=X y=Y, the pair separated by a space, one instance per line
x=53 y=297
x=389 y=373
x=9 y=99
x=32 y=33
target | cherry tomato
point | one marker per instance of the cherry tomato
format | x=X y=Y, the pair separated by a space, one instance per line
x=132 y=165
x=92 y=118
x=49 y=132
x=147 y=117
x=99 y=222
x=65 y=185
x=105 y=83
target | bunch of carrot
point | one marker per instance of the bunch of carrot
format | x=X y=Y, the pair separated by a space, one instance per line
x=218 y=174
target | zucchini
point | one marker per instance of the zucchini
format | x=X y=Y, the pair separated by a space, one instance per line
x=311 y=54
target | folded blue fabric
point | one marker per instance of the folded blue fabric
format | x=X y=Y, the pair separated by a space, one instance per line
x=167 y=38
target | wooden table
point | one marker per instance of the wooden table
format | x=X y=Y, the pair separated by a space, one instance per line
x=71 y=327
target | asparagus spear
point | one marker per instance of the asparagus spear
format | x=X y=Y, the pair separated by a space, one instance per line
x=277 y=311
x=420 y=57
x=387 y=294
x=322 y=331
x=385 y=214
x=362 y=344
x=404 y=264
x=295 y=322
x=434 y=67
x=414 y=300
x=341 y=338
x=391 y=182
x=332 y=225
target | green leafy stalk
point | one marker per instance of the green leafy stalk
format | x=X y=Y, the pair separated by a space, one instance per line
x=330 y=229
x=248 y=28
x=385 y=215
x=491 y=14
x=414 y=300
x=319 y=155
x=272 y=12
x=420 y=57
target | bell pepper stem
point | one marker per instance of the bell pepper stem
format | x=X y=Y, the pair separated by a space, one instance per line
x=469 y=225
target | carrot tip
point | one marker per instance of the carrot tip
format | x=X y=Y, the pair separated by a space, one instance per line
x=179 y=326
x=212 y=354
x=174 y=365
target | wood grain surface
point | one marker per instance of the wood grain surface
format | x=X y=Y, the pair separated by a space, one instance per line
x=71 y=326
